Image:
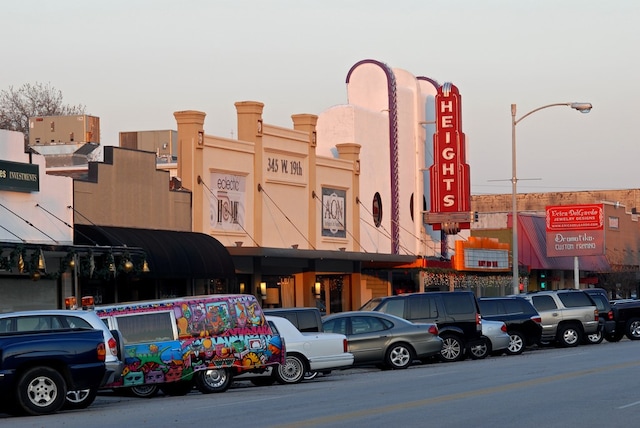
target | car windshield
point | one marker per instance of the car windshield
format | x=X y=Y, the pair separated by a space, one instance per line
x=370 y=305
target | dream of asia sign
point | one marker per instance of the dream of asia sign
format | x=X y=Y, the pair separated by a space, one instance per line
x=575 y=230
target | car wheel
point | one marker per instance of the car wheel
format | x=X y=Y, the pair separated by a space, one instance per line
x=263 y=381
x=177 y=389
x=213 y=380
x=594 y=338
x=144 y=391
x=80 y=399
x=41 y=390
x=292 y=371
x=633 y=329
x=452 y=348
x=399 y=356
x=613 y=337
x=516 y=343
x=481 y=350
x=569 y=336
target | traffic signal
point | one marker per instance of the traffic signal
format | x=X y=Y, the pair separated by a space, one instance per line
x=543 y=280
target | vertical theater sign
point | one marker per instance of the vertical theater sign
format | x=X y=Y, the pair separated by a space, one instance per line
x=450 y=179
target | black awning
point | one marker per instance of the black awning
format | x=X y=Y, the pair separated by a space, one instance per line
x=169 y=253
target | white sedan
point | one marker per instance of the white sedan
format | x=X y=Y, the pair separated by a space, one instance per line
x=308 y=352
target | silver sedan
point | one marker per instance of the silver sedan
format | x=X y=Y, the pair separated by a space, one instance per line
x=495 y=339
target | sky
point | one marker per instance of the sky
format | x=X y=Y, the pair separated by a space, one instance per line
x=133 y=63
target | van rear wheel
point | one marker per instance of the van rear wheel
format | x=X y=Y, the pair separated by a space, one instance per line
x=213 y=380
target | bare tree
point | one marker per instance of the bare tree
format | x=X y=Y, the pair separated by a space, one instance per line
x=18 y=105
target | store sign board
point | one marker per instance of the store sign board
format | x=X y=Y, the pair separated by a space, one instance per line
x=19 y=177
x=575 y=230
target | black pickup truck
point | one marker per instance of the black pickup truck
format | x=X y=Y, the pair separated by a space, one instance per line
x=37 y=368
x=626 y=313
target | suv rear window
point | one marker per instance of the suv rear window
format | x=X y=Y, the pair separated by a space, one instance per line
x=574 y=300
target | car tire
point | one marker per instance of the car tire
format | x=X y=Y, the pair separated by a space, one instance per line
x=517 y=343
x=292 y=371
x=632 y=330
x=144 y=391
x=569 y=336
x=399 y=356
x=614 y=337
x=80 y=399
x=264 y=380
x=452 y=348
x=481 y=350
x=210 y=381
x=594 y=338
x=177 y=389
x=41 y=391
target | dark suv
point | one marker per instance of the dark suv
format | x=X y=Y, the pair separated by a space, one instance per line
x=524 y=324
x=456 y=313
x=605 y=316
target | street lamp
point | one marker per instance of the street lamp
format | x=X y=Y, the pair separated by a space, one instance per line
x=581 y=107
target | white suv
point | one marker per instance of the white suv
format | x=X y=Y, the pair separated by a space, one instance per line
x=56 y=319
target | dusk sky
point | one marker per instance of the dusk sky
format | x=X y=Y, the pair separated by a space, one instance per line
x=133 y=63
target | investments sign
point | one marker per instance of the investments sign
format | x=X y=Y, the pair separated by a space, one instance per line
x=575 y=230
x=19 y=177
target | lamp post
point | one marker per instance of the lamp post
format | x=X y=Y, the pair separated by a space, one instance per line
x=581 y=107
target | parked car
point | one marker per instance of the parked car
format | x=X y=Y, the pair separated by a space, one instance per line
x=383 y=339
x=58 y=319
x=308 y=352
x=567 y=315
x=176 y=343
x=524 y=324
x=305 y=319
x=627 y=317
x=496 y=340
x=605 y=315
x=39 y=364
x=456 y=314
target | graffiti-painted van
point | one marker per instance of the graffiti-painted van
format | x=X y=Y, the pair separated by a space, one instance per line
x=205 y=341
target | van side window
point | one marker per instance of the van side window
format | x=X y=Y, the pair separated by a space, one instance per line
x=422 y=307
x=146 y=327
x=307 y=321
x=458 y=303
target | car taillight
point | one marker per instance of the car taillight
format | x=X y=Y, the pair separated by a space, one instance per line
x=102 y=352
x=478 y=322
x=433 y=329
x=113 y=347
x=345 y=345
x=503 y=327
x=610 y=315
x=595 y=315
x=536 y=318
